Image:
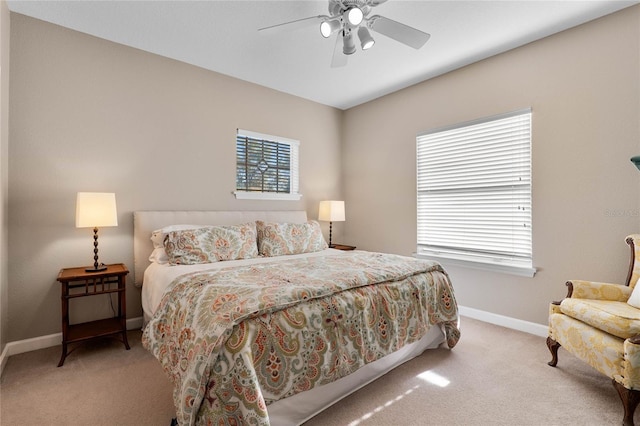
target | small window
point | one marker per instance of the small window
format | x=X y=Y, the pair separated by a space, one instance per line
x=474 y=193
x=266 y=167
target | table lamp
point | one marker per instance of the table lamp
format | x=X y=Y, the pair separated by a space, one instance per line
x=93 y=210
x=331 y=211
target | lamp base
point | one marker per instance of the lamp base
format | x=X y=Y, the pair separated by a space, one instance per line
x=97 y=267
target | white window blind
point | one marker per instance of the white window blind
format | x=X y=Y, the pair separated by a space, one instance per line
x=266 y=167
x=474 y=192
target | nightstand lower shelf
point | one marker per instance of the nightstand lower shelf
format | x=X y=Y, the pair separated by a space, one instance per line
x=92 y=329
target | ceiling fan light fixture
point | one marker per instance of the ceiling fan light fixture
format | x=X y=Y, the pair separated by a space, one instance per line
x=348 y=17
x=329 y=26
x=349 y=45
x=354 y=16
x=366 y=41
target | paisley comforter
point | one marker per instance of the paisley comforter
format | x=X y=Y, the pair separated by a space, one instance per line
x=236 y=339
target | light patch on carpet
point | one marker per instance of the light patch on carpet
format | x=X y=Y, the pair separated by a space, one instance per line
x=434 y=378
x=379 y=408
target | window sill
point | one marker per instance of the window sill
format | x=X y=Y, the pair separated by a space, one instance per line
x=522 y=271
x=241 y=195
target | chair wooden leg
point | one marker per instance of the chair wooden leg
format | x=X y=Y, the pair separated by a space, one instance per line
x=630 y=399
x=553 y=348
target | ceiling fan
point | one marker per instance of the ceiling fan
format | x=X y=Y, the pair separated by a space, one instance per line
x=351 y=17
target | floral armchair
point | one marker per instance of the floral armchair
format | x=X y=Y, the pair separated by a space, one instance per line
x=600 y=324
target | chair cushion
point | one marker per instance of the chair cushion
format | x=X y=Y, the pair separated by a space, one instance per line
x=617 y=318
x=601 y=350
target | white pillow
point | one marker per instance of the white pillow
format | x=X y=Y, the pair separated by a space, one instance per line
x=159 y=255
x=634 y=299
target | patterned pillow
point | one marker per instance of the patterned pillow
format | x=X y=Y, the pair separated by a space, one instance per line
x=211 y=244
x=278 y=239
x=159 y=235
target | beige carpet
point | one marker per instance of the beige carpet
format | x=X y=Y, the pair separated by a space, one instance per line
x=495 y=376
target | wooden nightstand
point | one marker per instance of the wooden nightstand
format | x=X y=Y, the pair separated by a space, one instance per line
x=342 y=247
x=76 y=282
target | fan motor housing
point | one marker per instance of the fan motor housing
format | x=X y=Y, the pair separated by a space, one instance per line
x=338 y=7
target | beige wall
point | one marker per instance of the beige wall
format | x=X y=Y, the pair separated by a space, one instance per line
x=583 y=87
x=91 y=115
x=4 y=169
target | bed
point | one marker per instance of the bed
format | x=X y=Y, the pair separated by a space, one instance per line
x=275 y=337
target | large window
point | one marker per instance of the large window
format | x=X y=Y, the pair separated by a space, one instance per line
x=474 y=193
x=266 y=167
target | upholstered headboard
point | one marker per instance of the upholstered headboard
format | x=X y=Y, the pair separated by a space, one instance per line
x=145 y=222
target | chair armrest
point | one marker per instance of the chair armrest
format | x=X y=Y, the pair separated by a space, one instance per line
x=630 y=377
x=601 y=291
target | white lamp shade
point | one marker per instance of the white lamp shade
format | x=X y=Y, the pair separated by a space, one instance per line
x=366 y=41
x=354 y=16
x=331 y=211
x=96 y=209
x=329 y=27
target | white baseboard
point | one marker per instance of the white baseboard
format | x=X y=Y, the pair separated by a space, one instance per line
x=508 y=322
x=42 y=342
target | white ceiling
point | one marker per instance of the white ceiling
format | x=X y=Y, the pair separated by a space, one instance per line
x=222 y=36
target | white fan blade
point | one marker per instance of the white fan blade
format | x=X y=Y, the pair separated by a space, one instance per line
x=294 y=25
x=339 y=59
x=397 y=31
